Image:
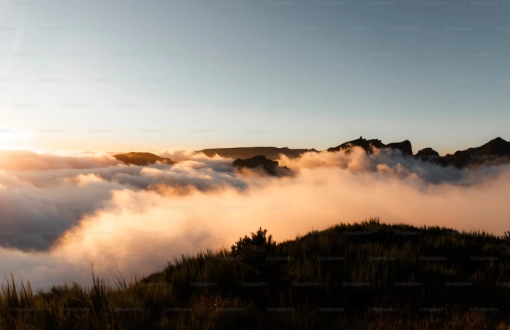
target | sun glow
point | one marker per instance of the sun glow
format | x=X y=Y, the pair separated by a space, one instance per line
x=12 y=140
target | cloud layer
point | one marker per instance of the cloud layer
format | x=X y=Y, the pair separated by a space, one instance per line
x=62 y=212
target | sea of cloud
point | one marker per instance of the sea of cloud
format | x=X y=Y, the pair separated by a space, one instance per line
x=62 y=212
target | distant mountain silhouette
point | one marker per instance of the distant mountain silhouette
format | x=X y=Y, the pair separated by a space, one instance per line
x=494 y=152
x=247 y=152
x=369 y=145
x=428 y=154
x=142 y=158
x=270 y=166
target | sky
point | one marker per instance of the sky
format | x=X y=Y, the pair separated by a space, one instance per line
x=137 y=75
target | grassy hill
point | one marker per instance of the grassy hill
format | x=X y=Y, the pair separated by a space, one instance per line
x=362 y=276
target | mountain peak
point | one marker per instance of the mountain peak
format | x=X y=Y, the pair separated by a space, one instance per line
x=368 y=145
x=497 y=140
x=496 y=151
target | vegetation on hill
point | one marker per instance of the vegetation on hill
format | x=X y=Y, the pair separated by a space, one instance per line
x=367 y=275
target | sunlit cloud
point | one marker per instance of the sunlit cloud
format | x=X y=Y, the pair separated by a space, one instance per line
x=62 y=212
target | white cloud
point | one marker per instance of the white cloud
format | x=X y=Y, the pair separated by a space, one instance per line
x=137 y=218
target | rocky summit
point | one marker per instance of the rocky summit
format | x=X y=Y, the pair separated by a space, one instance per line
x=269 y=166
x=494 y=152
x=369 y=145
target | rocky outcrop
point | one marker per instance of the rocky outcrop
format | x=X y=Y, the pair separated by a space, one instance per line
x=269 y=166
x=494 y=152
x=429 y=155
x=369 y=145
x=404 y=146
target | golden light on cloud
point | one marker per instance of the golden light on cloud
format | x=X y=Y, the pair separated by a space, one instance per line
x=93 y=209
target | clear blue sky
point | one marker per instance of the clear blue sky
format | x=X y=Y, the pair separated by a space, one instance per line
x=145 y=75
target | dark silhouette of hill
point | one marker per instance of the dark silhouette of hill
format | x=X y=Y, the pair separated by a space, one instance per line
x=248 y=152
x=369 y=145
x=142 y=158
x=270 y=166
x=428 y=154
x=494 y=152
x=361 y=276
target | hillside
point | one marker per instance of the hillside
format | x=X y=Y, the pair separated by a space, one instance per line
x=362 y=276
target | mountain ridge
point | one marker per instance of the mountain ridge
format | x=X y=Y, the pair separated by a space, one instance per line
x=368 y=145
x=494 y=152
